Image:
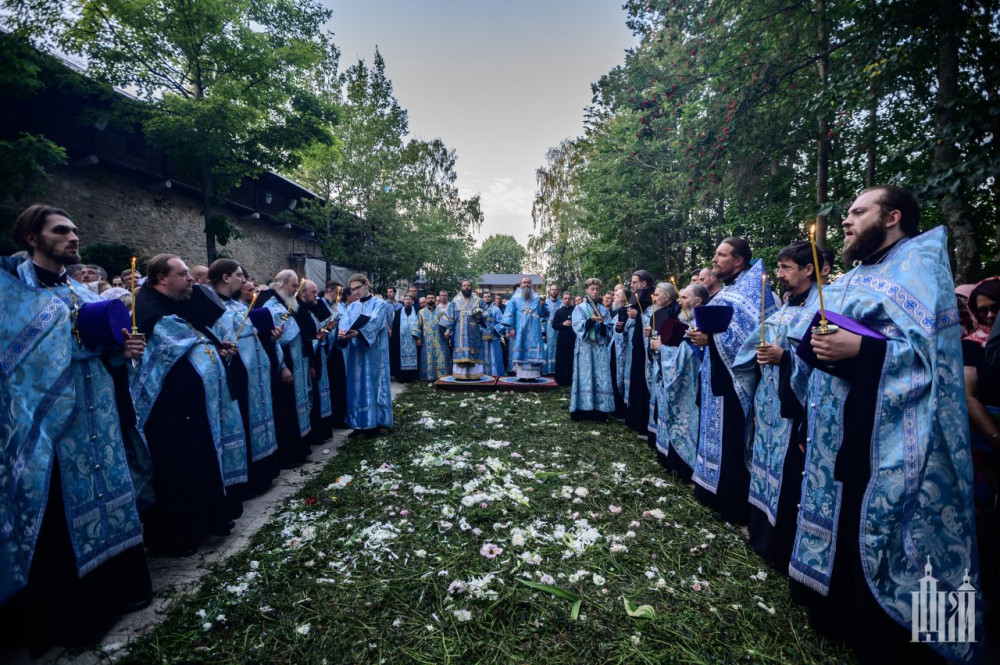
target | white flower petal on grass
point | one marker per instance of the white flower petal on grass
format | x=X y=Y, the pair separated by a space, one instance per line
x=462 y=615
x=206 y=626
x=303 y=629
x=582 y=492
x=598 y=580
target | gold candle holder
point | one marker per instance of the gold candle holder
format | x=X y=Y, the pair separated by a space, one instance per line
x=763 y=309
x=824 y=327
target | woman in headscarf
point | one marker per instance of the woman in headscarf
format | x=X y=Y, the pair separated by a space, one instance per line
x=982 y=392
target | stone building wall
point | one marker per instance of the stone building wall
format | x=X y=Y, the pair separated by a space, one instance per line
x=112 y=207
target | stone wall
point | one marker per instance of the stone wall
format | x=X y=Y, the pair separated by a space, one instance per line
x=109 y=206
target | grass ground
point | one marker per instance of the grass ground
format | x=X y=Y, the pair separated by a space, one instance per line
x=415 y=546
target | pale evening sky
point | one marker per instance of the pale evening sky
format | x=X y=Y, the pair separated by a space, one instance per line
x=498 y=82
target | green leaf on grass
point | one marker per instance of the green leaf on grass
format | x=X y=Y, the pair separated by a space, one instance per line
x=561 y=593
x=638 y=611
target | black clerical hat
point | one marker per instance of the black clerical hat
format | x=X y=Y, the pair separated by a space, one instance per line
x=713 y=319
x=262 y=320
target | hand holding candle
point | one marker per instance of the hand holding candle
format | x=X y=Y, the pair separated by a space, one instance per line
x=134 y=328
x=763 y=308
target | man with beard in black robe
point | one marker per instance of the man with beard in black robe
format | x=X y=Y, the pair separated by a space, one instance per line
x=637 y=409
x=562 y=323
x=187 y=478
x=311 y=327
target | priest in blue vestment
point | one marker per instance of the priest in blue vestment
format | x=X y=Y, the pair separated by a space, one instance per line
x=592 y=397
x=249 y=373
x=184 y=406
x=677 y=414
x=721 y=472
x=493 y=362
x=403 y=324
x=71 y=556
x=363 y=332
x=552 y=303
x=290 y=384
x=463 y=325
x=887 y=492
x=435 y=357
x=777 y=410
x=524 y=317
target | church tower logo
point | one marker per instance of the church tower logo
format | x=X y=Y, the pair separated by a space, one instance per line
x=943 y=616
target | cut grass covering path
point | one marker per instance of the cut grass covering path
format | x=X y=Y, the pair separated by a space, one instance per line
x=414 y=546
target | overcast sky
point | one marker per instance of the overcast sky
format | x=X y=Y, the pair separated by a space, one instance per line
x=498 y=82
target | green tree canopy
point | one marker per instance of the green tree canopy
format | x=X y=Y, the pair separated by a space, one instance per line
x=500 y=254
x=227 y=84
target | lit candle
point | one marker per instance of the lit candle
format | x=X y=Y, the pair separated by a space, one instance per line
x=134 y=328
x=240 y=331
x=763 y=306
x=819 y=283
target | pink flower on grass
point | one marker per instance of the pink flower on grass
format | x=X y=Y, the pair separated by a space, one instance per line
x=614 y=509
x=696 y=586
x=404 y=513
x=490 y=551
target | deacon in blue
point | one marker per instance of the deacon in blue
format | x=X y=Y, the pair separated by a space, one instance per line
x=593 y=397
x=680 y=382
x=364 y=335
x=71 y=554
x=524 y=317
x=552 y=303
x=463 y=325
x=183 y=405
x=778 y=408
x=887 y=491
x=493 y=364
x=721 y=471
x=402 y=330
x=249 y=373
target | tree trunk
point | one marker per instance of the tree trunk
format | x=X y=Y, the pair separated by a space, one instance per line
x=823 y=149
x=946 y=154
x=206 y=204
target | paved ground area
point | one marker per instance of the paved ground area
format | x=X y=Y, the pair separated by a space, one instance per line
x=173 y=578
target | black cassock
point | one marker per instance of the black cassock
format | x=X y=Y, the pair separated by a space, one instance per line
x=57 y=607
x=402 y=375
x=850 y=612
x=637 y=411
x=292 y=448
x=565 y=345
x=731 y=498
x=190 y=500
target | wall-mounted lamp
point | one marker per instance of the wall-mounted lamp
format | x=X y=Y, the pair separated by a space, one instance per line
x=268 y=198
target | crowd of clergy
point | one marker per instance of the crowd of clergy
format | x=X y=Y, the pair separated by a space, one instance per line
x=851 y=426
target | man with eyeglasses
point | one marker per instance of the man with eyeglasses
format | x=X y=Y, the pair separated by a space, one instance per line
x=363 y=333
x=886 y=492
x=765 y=370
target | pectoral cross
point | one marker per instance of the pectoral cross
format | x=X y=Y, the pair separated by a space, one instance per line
x=209 y=352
